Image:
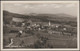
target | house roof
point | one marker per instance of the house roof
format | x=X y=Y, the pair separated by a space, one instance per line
x=15 y=19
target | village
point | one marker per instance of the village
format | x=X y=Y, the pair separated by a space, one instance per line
x=28 y=34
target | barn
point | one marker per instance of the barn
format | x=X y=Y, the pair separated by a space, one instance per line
x=17 y=21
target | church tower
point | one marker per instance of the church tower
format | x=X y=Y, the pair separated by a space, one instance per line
x=49 y=23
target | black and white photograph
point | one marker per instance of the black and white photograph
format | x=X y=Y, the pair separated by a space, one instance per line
x=40 y=25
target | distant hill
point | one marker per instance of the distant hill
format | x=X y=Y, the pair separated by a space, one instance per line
x=54 y=18
x=65 y=15
x=7 y=16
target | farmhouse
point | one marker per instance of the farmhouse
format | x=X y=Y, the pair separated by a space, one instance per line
x=17 y=21
x=20 y=21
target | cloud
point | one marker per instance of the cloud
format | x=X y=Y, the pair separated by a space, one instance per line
x=36 y=6
x=26 y=6
x=18 y=4
x=43 y=5
x=57 y=6
x=70 y=5
x=49 y=5
x=31 y=7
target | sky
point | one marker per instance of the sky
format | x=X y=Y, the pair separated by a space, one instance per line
x=44 y=8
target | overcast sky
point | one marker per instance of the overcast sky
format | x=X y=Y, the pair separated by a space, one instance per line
x=28 y=8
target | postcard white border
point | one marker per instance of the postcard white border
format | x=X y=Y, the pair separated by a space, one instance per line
x=40 y=2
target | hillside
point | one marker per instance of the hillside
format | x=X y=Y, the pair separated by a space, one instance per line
x=54 y=18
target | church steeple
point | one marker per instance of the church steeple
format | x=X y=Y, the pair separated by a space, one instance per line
x=49 y=23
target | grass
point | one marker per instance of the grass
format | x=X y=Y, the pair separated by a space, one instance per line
x=33 y=39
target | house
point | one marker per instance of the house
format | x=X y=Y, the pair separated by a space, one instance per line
x=28 y=22
x=20 y=21
x=17 y=21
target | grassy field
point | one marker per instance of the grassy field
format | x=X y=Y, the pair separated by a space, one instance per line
x=41 y=39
